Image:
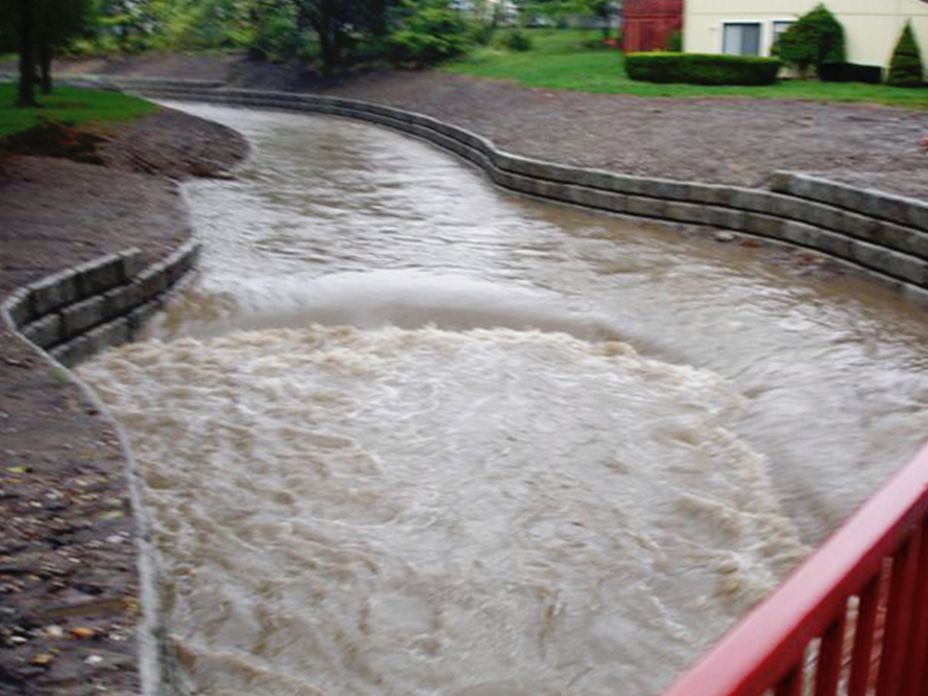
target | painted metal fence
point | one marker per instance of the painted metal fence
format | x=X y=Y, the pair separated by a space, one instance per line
x=852 y=620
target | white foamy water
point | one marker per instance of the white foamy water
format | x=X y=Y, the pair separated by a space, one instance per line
x=412 y=512
x=407 y=434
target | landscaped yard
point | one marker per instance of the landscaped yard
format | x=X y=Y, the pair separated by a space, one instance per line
x=69 y=105
x=563 y=59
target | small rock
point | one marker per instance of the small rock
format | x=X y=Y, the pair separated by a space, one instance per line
x=82 y=632
x=42 y=659
x=724 y=237
x=93 y=660
x=54 y=631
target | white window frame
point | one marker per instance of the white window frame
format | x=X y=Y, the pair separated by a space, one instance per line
x=768 y=45
x=764 y=41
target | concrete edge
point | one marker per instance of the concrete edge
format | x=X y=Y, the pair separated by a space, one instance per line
x=79 y=311
x=114 y=331
x=838 y=231
x=909 y=212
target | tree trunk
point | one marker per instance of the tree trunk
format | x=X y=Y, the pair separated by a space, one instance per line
x=26 y=55
x=329 y=42
x=45 y=65
x=379 y=18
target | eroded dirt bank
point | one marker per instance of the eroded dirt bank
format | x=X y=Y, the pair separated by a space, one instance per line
x=68 y=577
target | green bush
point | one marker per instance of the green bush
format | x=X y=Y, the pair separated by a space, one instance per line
x=701 y=69
x=906 y=69
x=482 y=33
x=815 y=39
x=517 y=40
x=674 y=42
x=431 y=32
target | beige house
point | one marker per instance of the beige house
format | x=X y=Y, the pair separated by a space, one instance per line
x=750 y=27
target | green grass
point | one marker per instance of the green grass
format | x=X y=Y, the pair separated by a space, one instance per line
x=69 y=105
x=559 y=60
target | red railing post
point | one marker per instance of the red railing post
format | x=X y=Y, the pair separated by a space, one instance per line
x=830 y=652
x=915 y=676
x=899 y=617
x=864 y=627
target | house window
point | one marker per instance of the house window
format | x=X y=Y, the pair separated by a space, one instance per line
x=780 y=26
x=741 y=38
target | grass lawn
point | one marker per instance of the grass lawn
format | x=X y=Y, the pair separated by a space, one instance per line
x=559 y=60
x=69 y=105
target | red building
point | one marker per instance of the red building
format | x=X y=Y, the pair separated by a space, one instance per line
x=647 y=24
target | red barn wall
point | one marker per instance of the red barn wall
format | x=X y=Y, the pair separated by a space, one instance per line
x=647 y=24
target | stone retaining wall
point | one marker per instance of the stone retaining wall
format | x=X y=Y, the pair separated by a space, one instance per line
x=105 y=302
x=884 y=235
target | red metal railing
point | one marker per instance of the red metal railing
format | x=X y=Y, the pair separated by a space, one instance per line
x=853 y=619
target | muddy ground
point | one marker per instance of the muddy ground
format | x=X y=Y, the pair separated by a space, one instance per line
x=68 y=577
x=733 y=140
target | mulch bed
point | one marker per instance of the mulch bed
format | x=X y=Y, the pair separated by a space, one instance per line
x=68 y=576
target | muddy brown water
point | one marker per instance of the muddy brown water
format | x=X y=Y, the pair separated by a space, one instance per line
x=410 y=434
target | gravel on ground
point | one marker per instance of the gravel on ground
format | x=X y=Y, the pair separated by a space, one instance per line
x=68 y=576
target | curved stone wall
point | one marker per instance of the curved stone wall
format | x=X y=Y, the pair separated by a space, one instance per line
x=105 y=302
x=884 y=235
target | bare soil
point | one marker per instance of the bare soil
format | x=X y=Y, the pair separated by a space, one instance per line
x=735 y=141
x=68 y=575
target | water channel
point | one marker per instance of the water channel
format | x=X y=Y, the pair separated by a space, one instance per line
x=410 y=434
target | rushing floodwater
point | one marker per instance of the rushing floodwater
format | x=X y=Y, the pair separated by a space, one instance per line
x=409 y=434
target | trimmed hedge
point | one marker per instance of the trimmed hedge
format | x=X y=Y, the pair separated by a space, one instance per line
x=850 y=72
x=702 y=68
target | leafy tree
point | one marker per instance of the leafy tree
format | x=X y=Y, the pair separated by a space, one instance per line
x=428 y=31
x=340 y=23
x=906 y=69
x=128 y=22
x=56 y=23
x=815 y=39
x=270 y=30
